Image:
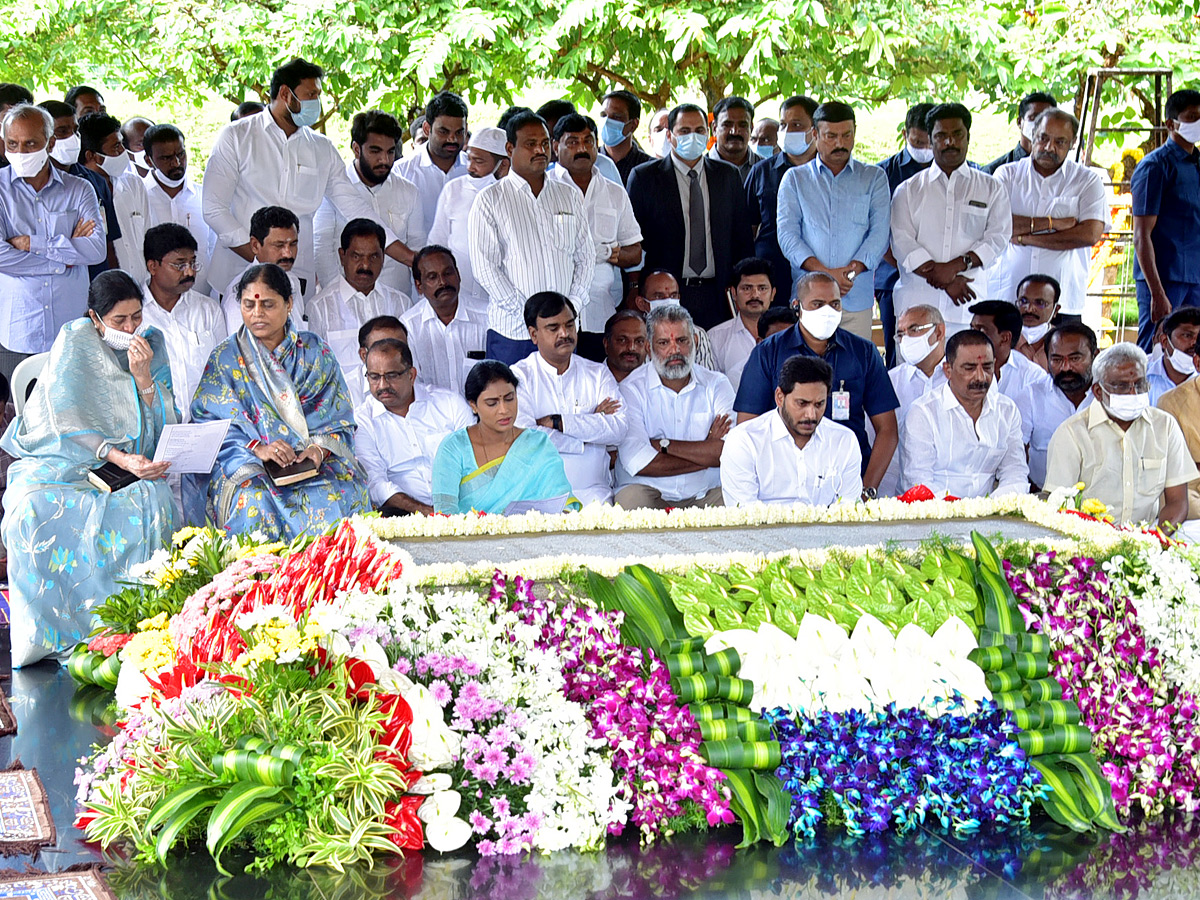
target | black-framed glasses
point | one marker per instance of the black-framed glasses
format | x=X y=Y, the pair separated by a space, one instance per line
x=389 y=377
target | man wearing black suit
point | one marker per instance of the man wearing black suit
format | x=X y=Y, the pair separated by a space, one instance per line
x=692 y=212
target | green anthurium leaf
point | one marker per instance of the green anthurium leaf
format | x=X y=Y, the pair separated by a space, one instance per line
x=868 y=568
x=727 y=618
x=801 y=576
x=787 y=620
x=833 y=577
x=698 y=624
x=757 y=614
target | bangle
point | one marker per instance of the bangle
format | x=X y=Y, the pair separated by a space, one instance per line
x=146 y=392
x=254 y=445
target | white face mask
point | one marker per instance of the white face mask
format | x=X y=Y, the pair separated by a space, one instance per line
x=1126 y=407
x=115 y=166
x=795 y=143
x=168 y=182
x=139 y=158
x=922 y=155
x=120 y=340
x=1181 y=361
x=1189 y=131
x=66 y=150
x=27 y=165
x=1036 y=333
x=914 y=350
x=661 y=143
x=821 y=323
x=670 y=301
x=1027 y=129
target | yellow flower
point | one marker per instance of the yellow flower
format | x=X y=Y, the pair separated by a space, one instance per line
x=149 y=651
x=158 y=623
x=1079 y=485
x=1093 y=507
x=183 y=535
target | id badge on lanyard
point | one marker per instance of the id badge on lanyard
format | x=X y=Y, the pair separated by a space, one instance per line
x=841 y=403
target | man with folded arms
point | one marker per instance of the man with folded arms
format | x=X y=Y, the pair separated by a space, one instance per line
x=446 y=331
x=794 y=454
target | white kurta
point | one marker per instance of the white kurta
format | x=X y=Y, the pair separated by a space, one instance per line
x=440 y=350
x=762 y=464
x=192 y=330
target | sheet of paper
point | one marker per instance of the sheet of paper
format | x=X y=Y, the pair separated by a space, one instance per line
x=550 y=506
x=191 y=448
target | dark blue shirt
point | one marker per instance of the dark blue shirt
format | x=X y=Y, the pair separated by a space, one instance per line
x=1166 y=183
x=1016 y=154
x=898 y=168
x=762 y=195
x=112 y=228
x=857 y=368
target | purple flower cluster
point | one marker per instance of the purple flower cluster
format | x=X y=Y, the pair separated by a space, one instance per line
x=1146 y=733
x=629 y=703
x=895 y=767
x=515 y=832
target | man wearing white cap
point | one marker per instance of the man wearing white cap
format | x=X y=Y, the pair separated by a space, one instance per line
x=487 y=162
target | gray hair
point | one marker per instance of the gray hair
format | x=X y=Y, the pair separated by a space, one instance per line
x=809 y=279
x=934 y=314
x=28 y=111
x=1061 y=115
x=669 y=312
x=1116 y=355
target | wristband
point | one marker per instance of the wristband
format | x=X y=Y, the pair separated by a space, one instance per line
x=254 y=445
x=556 y=421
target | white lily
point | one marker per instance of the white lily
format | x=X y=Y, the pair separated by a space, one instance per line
x=440 y=805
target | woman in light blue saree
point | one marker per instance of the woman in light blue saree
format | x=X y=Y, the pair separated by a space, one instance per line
x=283 y=392
x=493 y=466
x=103 y=397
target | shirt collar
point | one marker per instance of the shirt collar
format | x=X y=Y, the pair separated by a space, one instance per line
x=654 y=380
x=347 y=290
x=1098 y=415
x=950 y=400
x=800 y=342
x=1173 y=149
x=547 y=369
x=682 y=168
x=819 y=163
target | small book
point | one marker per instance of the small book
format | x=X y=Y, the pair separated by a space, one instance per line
x=111 y=477
x=282 y=476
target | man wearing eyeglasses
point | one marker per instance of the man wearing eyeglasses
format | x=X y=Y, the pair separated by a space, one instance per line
x=1037 y=301
x=173 y=197
x=190 y=321
x=399 y=429
x=1059 y=210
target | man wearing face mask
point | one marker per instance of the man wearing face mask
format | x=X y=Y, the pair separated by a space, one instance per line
x=104 y=156
x=50 y=230
x=375 y=140
x=692 y=211
x=964 y=439
x=620 y=114
x=913 y=158
x=1183 y=403
x=1130 y=456
x=1072 y=349
x=1176 y=364
x=1166 y=218
x=275 y=158
x=764 y=140
x=615 y=232
x=66 y=134
x=174 y=197
x=487 y=163
x=861 y=388
x=1037 y=301
x=1059 y=210
x=1030 y=107
x=797 y=147
x=133 y=134
x=658 y=287
x=660 y=134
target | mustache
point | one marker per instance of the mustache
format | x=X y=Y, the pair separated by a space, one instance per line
x=364 y=272
x=978 y=385
x=285 y=261
x=808 y=422
x=445 y=290
x=1071 y=380
x=583 y=156
x=189 y=280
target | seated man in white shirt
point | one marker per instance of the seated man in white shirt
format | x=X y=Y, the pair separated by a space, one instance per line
x=964 y=439
x=377 y=329
x=1017 y=376
x=678 y=414
x=400 y=426
x=1071 y=349
x=752 y=291
x=921 y=343
x=575 y=401
x=340 y=309
x=446 y=332
x=1178 y=337
x=274 y=238
x=190 y=322
x=796 y=455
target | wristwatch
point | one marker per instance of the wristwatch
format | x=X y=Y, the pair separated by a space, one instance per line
x=663 y=444
x=870 y=493
x=851 y=275
x=966 y=259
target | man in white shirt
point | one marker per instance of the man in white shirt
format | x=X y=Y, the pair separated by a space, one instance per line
x=447 y=334
x=1130 y=456
x=949 y=223
x=173 y=197
x=921 y=343
x=400 y=426
x=374 y=140
x=1017 y=377
x=624 y=343
x=1071 y=349
x=339 y=311
x=487 y=163
x=1176 y=363
x=964 y=439
x=1037 y=301
x=615 y=232
x=274 y=238
x=528 y=233
x=752 y=291
x=678 y=415
x=574 y=400
x=276 y=159
x=191 y=322
x=1059 y=211
x=439 y=161
x=104 y=155
x=794 y=455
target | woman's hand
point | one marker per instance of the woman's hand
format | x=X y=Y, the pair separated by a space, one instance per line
x=313 y=452
x=143 y=468
x=140 y=357
x=278 y=452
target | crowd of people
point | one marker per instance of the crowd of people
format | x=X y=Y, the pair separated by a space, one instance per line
x=543 y=314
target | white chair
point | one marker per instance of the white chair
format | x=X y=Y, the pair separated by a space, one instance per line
x=24 y=376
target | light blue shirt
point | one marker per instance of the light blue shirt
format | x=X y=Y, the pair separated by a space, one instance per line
x=45 y=287
x=837 y=220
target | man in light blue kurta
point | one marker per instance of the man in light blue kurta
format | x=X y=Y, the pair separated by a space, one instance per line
x=833 y=216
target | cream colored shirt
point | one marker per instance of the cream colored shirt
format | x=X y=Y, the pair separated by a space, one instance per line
x=1127 y=471
x=1183 y=403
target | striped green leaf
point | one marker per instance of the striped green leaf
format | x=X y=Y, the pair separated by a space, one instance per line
x=986 y=555
x=778 y=807
x=658 y=589
x=747 y=804
x=174 y=801
x=243 y=796
x=182 y=816
x=1093 y=787
x=256 y=812
x=1063 y=804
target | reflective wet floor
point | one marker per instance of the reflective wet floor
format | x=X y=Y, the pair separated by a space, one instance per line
x=1154 y=859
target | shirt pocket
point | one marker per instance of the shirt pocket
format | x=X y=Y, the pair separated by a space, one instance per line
x=857 y=211
x=563 y=230
x=308 y=189
x=61 y=224
x=974 y=221
x=1151 y=475
x=605 y=226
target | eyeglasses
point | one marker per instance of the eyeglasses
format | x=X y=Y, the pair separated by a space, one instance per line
x=194 y=266
x=913 y=330
x=1140 y=386
x=1036 y=304
x=389 y=377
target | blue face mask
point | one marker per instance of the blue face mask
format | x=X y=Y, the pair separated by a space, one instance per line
x=766 y=151
x=691 y=146
x=612 y=132
x=309 y=114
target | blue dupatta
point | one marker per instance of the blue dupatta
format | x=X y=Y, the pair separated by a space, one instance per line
x=531 y=470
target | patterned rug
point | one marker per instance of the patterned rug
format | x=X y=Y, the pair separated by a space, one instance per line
x=26 y=824
x=8 y=722
x=86 y=885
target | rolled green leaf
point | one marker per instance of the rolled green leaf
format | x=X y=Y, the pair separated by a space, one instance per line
x=682 y=645
x=81 y=663
x=738 y=713
x=1033 y=643
x=1030 y=718
x=247 y=765
x=706 y=712
x=723 y=662
x=1058 y=712
x=1043 y=689
x=700 y=686
x=290 y=752
x=731 y=754
x=1032 y=665
x=106 y=672
x=1009 y=699
x=680 y=664
x=989 y=638
x=1003 y=680
x=739 y=690
x=991 y=659
x=252 y=742
x=719 y=730
x=755 y=730
x=1055 y=739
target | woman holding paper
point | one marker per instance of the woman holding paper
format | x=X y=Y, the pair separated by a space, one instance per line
x=286 y=465
x=97 y=410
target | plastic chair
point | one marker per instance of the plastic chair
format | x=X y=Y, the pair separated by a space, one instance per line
x=24 y=376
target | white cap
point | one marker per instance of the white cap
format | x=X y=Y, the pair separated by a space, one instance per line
x=493 y=140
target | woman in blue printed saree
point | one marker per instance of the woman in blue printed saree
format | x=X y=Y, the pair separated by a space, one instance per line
x=104 y=396
x=283 y=392
x=491 y=465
